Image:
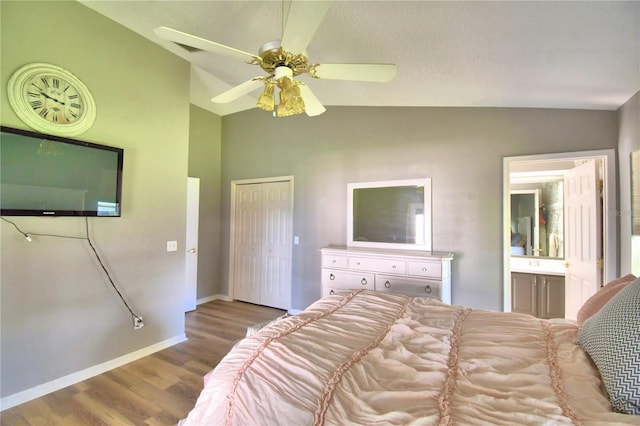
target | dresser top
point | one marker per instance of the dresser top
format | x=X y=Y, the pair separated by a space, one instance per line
x=359 y=251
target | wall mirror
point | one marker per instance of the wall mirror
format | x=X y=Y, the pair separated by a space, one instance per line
x=537 y=219
x=390 y=214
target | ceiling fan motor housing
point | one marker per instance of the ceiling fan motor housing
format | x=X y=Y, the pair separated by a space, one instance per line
x=273 y=56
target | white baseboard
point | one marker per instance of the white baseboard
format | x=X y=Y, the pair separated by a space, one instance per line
x=228 y=299
x=73 y=378
x=214 y=297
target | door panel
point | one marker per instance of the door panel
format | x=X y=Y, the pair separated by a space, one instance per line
x=552 y=297
x=276 y=268
x=524 y=293
x=248 y=231
x=583 y=236
x=263 y=242
x=191 y=243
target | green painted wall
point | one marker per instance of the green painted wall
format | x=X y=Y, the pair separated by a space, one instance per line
x=204 y=163
x=59 y=314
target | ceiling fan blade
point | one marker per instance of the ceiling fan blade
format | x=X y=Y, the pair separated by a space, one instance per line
x=302 y=21
x=381 y=73
x=312 y=104
x=193 y=43
x=238 y=91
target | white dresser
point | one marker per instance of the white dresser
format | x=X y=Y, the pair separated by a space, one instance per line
x=414 y=273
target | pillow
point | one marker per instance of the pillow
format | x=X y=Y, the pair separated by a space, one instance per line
x=602 y=296
x=611 y=337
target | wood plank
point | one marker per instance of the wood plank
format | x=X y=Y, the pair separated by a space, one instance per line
x=157 y=390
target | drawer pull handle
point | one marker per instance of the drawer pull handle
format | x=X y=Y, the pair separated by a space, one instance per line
x=363 y=281
x=393 y=266
x=331 y=293
x=332 y=277
x=427 y=289
x=387 y=284
x=333 y=261
x=424 y=269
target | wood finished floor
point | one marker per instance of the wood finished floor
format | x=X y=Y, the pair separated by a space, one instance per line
x=159 y=389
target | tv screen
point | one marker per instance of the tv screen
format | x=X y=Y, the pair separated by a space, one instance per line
x=44 y=175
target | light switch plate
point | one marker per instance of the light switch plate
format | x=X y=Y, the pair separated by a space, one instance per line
x=172 y=246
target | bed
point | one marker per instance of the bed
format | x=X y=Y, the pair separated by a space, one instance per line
x=373 y=358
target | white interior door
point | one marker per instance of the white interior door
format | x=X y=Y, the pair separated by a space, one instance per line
x=275 y=288
x=248 y=242
x=583 y=236
x=191 y=244
x=262 y=241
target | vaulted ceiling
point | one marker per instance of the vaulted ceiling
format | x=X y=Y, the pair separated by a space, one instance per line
x=556 y=54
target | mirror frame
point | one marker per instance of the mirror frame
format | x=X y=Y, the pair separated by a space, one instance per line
x=423 y=182
x=535 y=243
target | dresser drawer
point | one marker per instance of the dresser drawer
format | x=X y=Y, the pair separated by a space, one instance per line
x=409 y=286
x=393 y=266
x=334 y=261
x=425 y=269
x=344 y=279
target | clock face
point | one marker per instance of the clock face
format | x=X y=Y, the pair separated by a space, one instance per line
x=51 y=99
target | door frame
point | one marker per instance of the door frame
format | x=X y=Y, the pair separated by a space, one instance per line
x=232 y=218
x=609 y=220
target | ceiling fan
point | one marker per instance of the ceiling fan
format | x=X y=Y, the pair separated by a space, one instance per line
x=282 y=60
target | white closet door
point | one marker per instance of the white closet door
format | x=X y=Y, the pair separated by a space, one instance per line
x=263 y=243
x=248 y=242
x=275 y=285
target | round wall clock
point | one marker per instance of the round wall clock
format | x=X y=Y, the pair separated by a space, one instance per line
x=51 y=99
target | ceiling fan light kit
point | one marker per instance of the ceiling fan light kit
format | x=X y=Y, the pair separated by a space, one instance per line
x=276 y=59
x=291 y=102
x=266 y=101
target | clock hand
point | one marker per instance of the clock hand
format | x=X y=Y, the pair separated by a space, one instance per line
x=49 y=97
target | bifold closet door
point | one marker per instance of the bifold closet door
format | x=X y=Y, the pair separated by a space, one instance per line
x=263 y=229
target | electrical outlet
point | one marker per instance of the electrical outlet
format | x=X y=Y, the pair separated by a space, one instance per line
x=137 y=323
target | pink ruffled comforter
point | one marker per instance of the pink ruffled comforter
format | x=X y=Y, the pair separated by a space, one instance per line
x=380 y=358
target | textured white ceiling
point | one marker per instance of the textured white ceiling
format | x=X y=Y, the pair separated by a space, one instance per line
x=556 y=54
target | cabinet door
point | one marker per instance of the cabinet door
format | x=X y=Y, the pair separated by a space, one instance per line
x=524 y=293
x=551 y=296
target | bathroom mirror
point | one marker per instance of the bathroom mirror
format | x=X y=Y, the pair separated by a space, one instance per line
x=537 y=219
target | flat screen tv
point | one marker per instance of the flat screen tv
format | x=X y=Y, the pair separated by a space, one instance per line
x=45 y=175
